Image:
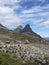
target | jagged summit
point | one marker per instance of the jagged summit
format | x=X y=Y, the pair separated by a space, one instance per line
x=27 y=29
x=19 y=28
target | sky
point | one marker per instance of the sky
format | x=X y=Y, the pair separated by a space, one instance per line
x=22 y=12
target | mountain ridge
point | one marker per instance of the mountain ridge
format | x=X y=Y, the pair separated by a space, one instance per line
x=19 y=28
x=46 y=38
x=27 y=30
x=23 y=34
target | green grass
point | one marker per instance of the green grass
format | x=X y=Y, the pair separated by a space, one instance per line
x=4 y=31
x=13 y=36
x=6 y=39
x=19 y=36
x=9 y=59
x=12 y=59
x=24 y=37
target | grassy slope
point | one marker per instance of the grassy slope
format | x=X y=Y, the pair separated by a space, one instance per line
x=9 y=59
x=24 y=37
x=18 y=36
x=5 y=34
x=4 y=31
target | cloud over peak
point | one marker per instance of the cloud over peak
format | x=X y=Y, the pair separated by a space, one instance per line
x=15 y=12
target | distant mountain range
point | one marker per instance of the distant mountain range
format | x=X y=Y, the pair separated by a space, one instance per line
x=46 y=38
x=20 y=33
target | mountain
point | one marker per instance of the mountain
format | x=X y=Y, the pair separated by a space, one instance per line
x=20 y=33
x=27 y=29
x=46 y=38
x=26 y=33
x=5 y=33
x=3 y=29
x=19 y=28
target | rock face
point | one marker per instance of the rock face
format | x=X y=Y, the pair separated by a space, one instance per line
x=19 y=28
x=27 y=29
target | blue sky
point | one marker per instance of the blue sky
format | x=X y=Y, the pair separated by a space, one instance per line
x=22 y=12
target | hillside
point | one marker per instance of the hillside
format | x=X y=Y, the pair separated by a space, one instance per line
x=9 y=59
x=22 y=35
x=26 y=33
x=22 y=47
x=24 y=54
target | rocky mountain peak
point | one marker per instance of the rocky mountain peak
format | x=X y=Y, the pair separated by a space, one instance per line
x=19 y=28
x=27 y=29
x=27 y=25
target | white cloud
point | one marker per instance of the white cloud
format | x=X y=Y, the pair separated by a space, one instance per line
x=32 y=10
x=46 y=34
x=8 y=1
x=36 y=9
x=5 y=10
x=7 y=14
x=46 y=23
x=38 y=15
x=8 y=17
